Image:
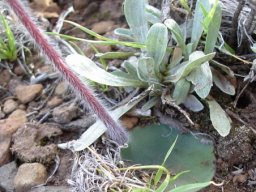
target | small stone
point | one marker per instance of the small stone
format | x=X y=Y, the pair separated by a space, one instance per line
x=8 y=172
x=5 y=153
x=10 y=105
x=78 y=4
x=129 y=122
x=29 y=175
x=65 y=114
x=100 y=48
x=103 y=27
x=103 y=48
x=45 y=69
x=12 y=123
x=241 y=178
x=13 y=84
x=61 y=89
x=55 y=101
x=22 y=107
x=18 y=70
x=27 y=93
x=5 y=77
x=27 y=143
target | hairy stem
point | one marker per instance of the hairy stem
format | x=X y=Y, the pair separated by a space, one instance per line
x=114 y=130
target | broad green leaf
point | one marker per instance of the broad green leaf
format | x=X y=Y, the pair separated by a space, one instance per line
x=177 y=35
x=125 y=33
x=98 y=128
x=219 y=118
x=213 y=30
x=114 y=55
x=149 y=145
x=156 y=44
x=87 y=69
x=193 y=104
x=201 y=78
x=196 y=59
x=191 y=187
x=135 y=14
x=181 y=91
x=222 y=83
x=197 y=28
x=145 y=70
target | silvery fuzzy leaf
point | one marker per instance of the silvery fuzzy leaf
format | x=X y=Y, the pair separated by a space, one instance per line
x=125 y=33
x=193 y=104
x=197 y=27
x=222 y=83
x=177 y=35
x=135 y=14
x=219 y=118
x=156 y=44
x=196 y=59
x=181 y=91
x=201 y=78
x=86 y=69
x=145 y=70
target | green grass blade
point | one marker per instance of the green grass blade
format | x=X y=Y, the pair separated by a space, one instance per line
x=197 y=27
x=114 y=55
x=191 y=187
x=213 y=30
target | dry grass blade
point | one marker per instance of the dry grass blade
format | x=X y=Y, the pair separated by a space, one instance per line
x=97 y=169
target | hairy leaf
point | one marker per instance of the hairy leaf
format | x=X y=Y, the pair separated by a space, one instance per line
x=196 y=59
x=219 y=118
x=135 y=14
x=213 y=29
x=197 y=28
x=146 y=71
x=156 y=44
x=125 y=33
x=201 y=78
x=222 y=83
x=177 y=35
x=193 y=104
x=87 y=69
x=181 y=91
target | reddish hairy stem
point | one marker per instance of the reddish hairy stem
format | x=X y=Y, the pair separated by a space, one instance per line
x=115 y=131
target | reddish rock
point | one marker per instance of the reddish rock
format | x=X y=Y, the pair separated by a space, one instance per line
x=9 y=106
x=29 y=175
x=26 y=93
